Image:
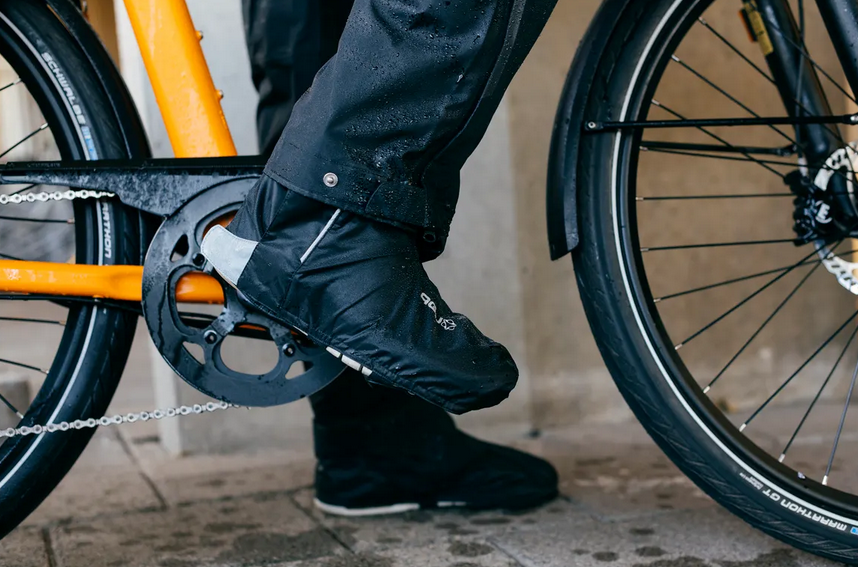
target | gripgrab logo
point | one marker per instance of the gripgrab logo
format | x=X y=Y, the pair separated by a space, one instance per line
x=446 y=324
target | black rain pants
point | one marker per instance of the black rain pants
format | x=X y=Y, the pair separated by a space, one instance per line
x=399 y=106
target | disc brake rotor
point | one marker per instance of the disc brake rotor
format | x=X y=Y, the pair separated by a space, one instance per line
x=174 y=252
x=845 y=158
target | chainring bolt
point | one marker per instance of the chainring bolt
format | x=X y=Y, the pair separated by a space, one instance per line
x=289 y=350
x=198 y=259
x=210 y=337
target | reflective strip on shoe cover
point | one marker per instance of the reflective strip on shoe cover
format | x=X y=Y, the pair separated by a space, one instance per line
x=350 y=362
x=320 y=237
x=228 y=253
x=378 y=510
x=357 y=512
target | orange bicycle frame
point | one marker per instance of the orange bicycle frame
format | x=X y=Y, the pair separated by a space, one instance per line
x=196 y=126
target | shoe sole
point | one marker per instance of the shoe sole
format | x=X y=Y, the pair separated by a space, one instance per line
x=391 y=510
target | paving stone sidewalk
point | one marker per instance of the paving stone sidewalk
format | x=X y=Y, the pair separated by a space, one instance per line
x=127 y=504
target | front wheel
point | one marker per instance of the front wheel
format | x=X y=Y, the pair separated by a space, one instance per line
x=734 y=347
x=63 y=357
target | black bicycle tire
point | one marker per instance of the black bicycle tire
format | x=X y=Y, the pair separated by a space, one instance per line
x=97 y=340
x=604 y=290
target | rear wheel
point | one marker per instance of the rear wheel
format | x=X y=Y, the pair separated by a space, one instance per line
x=60 y=359
x=735 y=348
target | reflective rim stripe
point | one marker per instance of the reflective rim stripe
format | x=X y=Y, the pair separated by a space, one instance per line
x=624 y=269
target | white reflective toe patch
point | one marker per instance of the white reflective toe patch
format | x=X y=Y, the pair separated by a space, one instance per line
x=227 y=253
x=334 y=352
x=351 y=363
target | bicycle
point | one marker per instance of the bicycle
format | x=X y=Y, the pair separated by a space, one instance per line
x=133 y=227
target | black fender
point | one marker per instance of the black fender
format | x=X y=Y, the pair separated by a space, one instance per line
x=562 y=205
x=125 y=114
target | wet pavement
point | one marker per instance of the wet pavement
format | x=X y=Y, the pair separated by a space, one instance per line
x=128 y=504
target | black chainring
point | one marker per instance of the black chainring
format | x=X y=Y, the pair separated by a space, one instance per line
x=174 y=252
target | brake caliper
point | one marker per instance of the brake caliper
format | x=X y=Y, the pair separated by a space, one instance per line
x=821 y=213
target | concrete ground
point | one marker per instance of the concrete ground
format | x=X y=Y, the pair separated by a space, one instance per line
x=128 y=504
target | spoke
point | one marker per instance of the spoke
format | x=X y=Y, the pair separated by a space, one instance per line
x=731 y=158
x=718 y=245
x=735 y=50
x=28 y=320
x=9 y=405
x=780 y=152
x=43 y=221
x=747 y=299
x=10 y=85
x=816 y=398
x=804 y=53
x=753 y=65
x=797 y=372
x=805 y=56
x=22 y=365
x=743 y=278
x=840 y=427
x=724 y=196
x=760 y=328
x=715 y=137
x=729 y=97
x=27 y=188
x=24 y=139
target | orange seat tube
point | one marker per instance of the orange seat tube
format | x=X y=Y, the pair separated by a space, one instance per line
x=180 y=77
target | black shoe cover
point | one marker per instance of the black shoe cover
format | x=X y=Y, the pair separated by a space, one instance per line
x=404 y=454
x=358 y=287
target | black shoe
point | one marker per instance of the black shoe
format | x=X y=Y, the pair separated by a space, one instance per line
x=387 y=453
x=358 y=288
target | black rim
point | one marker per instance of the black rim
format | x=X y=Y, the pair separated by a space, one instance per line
x=724 y=427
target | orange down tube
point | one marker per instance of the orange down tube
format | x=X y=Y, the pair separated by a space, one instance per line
x=121 y=283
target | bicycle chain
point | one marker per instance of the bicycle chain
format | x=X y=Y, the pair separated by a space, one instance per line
x=105 y=421
x=91 y=423
x=45 y=196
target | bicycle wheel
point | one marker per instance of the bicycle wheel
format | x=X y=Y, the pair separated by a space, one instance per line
x=69 y=354
x=734 y=347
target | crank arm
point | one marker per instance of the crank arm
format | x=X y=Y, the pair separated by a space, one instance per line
x=595 y=127
x=157 y=186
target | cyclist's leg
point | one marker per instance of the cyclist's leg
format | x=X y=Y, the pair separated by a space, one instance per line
x=381 y=450
x=382 y=134
x=288 y=42
x=404 y=103
x=358 y=428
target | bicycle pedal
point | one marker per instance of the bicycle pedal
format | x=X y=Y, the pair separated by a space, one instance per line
x=174 y=252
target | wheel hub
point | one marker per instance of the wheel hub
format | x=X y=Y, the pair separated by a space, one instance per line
x=826 y=212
